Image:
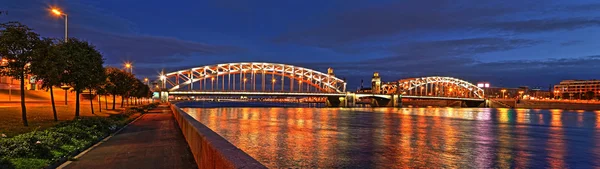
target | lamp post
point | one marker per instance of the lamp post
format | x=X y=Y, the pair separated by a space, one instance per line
x=273 y=85
x=212 y=83
x=59 y=13
x=521 y=94
x=129 y=66
x=146 y=81
x=244 y=86
x=9 y=92
x=66 y=88
x=503 y=91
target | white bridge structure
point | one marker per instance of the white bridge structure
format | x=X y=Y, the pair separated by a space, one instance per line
x=276 y=79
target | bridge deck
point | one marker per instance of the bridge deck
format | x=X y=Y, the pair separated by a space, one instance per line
x=276 y=93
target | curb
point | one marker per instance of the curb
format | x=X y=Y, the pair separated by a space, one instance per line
x=67 y=162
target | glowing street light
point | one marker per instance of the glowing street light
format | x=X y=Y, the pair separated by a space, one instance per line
x=129 y=66
x=503 y=90
x=272 y=84
x=521 y=93
x=244 y=85
x=212 y=83
x=57 y=12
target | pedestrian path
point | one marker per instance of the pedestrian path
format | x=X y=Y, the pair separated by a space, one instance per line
x=153 y=141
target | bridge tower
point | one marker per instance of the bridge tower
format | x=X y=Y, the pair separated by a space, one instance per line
x=376 y=83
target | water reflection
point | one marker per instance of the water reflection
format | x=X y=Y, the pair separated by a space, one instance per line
x=409 y=137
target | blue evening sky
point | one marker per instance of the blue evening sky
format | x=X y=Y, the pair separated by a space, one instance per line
x=506 y=42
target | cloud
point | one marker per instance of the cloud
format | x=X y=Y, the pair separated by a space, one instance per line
x=415 y=19
x=542 y=25
x=457 y=47
x=511 y=73
x=115 y=37
x=571 y=43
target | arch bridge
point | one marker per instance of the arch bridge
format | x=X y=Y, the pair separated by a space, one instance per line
x=434 y=86
x=424 y=88
x=253 y=78
x=276 y=79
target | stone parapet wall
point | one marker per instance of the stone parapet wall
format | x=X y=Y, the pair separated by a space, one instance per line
x=209 y=148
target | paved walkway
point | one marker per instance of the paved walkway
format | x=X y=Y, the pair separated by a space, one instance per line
x=153 y=141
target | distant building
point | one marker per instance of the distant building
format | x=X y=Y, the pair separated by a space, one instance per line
x=7 y=82
x=578 y=89
x=376 y=83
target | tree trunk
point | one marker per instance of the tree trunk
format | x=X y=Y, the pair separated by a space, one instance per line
x=114 y=99
x=99 y=103
x=23 y=109
x=53 y=106
x=105 y=102
x=122 y=101
x=91 y=101
x=77 y=104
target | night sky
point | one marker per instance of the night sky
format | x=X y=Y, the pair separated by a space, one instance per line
x=509 y=43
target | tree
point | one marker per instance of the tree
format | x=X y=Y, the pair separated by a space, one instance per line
x=17 y=44
x=115 y=77
x=83 y=69
x=124 y=86
x=48 y=67
x=589 y=95
x=101 y=91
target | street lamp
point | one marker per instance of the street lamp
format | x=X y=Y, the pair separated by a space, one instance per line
x=503 y=90
x=129 y=66
x=146 y=81
x=212 y=83
x=521 y=93
x=57 y=11
x=244 y=87
x=273 y=84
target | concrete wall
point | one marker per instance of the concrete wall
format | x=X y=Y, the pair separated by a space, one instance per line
x=211 y=150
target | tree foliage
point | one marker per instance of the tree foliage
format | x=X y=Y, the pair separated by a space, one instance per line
x=83 y=68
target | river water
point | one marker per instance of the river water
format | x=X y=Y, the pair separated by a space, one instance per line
x=409 y=137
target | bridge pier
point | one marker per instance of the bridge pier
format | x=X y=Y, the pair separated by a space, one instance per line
x=335 y=101
x=475 y=103
x=345 y=101
x=393 y=101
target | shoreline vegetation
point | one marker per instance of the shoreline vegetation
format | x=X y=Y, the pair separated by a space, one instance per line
x=48 y=147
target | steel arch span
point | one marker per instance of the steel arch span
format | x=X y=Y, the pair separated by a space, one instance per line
x=253 y=76
x=434 y=86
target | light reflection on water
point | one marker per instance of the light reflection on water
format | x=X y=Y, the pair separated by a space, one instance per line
x=409 y=137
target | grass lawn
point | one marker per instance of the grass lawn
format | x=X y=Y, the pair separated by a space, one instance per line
x=39 y=116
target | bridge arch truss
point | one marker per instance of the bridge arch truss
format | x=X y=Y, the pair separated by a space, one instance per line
x=433 y=86
x=252 y=76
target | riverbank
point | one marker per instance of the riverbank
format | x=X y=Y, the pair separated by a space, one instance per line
x=546 y=104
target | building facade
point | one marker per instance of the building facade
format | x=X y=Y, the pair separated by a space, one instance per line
x=577 y=89
x=7 y=82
